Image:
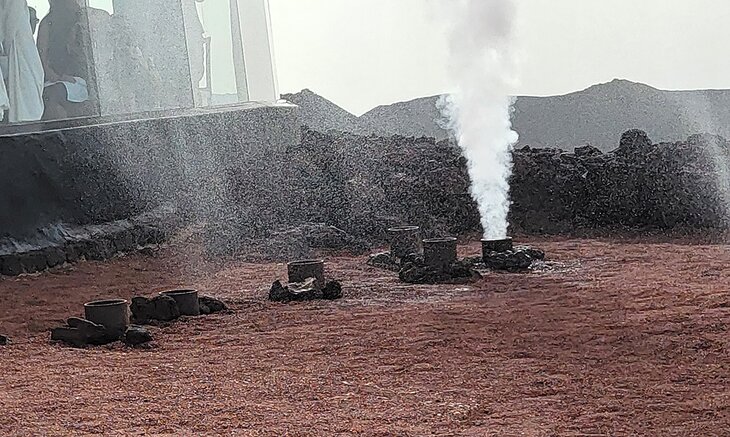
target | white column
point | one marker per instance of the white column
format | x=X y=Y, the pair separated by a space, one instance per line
x=258 y=56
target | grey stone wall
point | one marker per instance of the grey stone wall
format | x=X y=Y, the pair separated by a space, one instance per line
x=89 y=175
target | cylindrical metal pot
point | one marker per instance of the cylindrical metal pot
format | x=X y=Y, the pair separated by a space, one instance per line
x=299 y=271
x=187 y=301
x=404 y=240
x=439 y=253
x=113 y=314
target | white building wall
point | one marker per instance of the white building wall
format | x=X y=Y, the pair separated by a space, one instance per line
x=258 y=50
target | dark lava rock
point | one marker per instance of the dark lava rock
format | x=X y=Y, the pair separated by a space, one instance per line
x=510 y=261
x=160 y=308
x=473 y=261
x=99 y=249
x=55 y=256
x=4 y=340
x=332 y=291
x=10 y=265
x=535 y=254
x=34 y=261
x=137 y=335
x=71 y=336
x=321 y=236
x=362 y=184
x=384 y=261
x=123 y=240
x=81 y=332
x=165 y=308
x=305 y=291
x=142 y=309
x=458 y=273
x=412 y=258
x=634 y=140
x=209 y=305
x=518 y=259
x=278 y=292
x=587 y=150
x=92 y=333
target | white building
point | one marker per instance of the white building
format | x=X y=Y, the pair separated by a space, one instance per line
x=159 y=55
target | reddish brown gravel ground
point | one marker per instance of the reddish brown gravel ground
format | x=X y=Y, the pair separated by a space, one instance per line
x=612 y=338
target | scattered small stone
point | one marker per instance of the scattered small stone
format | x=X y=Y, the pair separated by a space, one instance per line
x=4 y=340
x=137 y=335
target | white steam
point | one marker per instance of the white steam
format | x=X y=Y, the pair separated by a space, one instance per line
x=483 y=69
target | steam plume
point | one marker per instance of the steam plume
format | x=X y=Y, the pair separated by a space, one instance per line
x=483 y=70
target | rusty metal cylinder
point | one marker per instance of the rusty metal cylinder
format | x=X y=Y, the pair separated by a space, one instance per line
x=187 y=301
x=404 y=240
x=439 y=253
x=300 y=271
x=501 y=245
x=112 y=314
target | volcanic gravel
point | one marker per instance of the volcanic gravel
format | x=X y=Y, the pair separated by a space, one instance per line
x=608 y=338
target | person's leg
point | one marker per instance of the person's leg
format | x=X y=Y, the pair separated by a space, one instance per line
x=54 y=99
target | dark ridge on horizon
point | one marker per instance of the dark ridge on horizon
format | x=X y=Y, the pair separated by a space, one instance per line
x=596 y=115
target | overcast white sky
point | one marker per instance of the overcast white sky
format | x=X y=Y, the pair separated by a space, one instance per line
x=362 y=53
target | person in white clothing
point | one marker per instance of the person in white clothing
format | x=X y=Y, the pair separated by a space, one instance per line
x=22 y=71
x=64 y=47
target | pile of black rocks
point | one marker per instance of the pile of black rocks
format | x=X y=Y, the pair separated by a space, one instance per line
x=80 y=332
x=387 y=261
x=307 y=282
x=163 y=309
x=438 y=263
x=364 y=184
x=304 y=291
x=641 y=186
x=415 y=271
x=517 y=259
